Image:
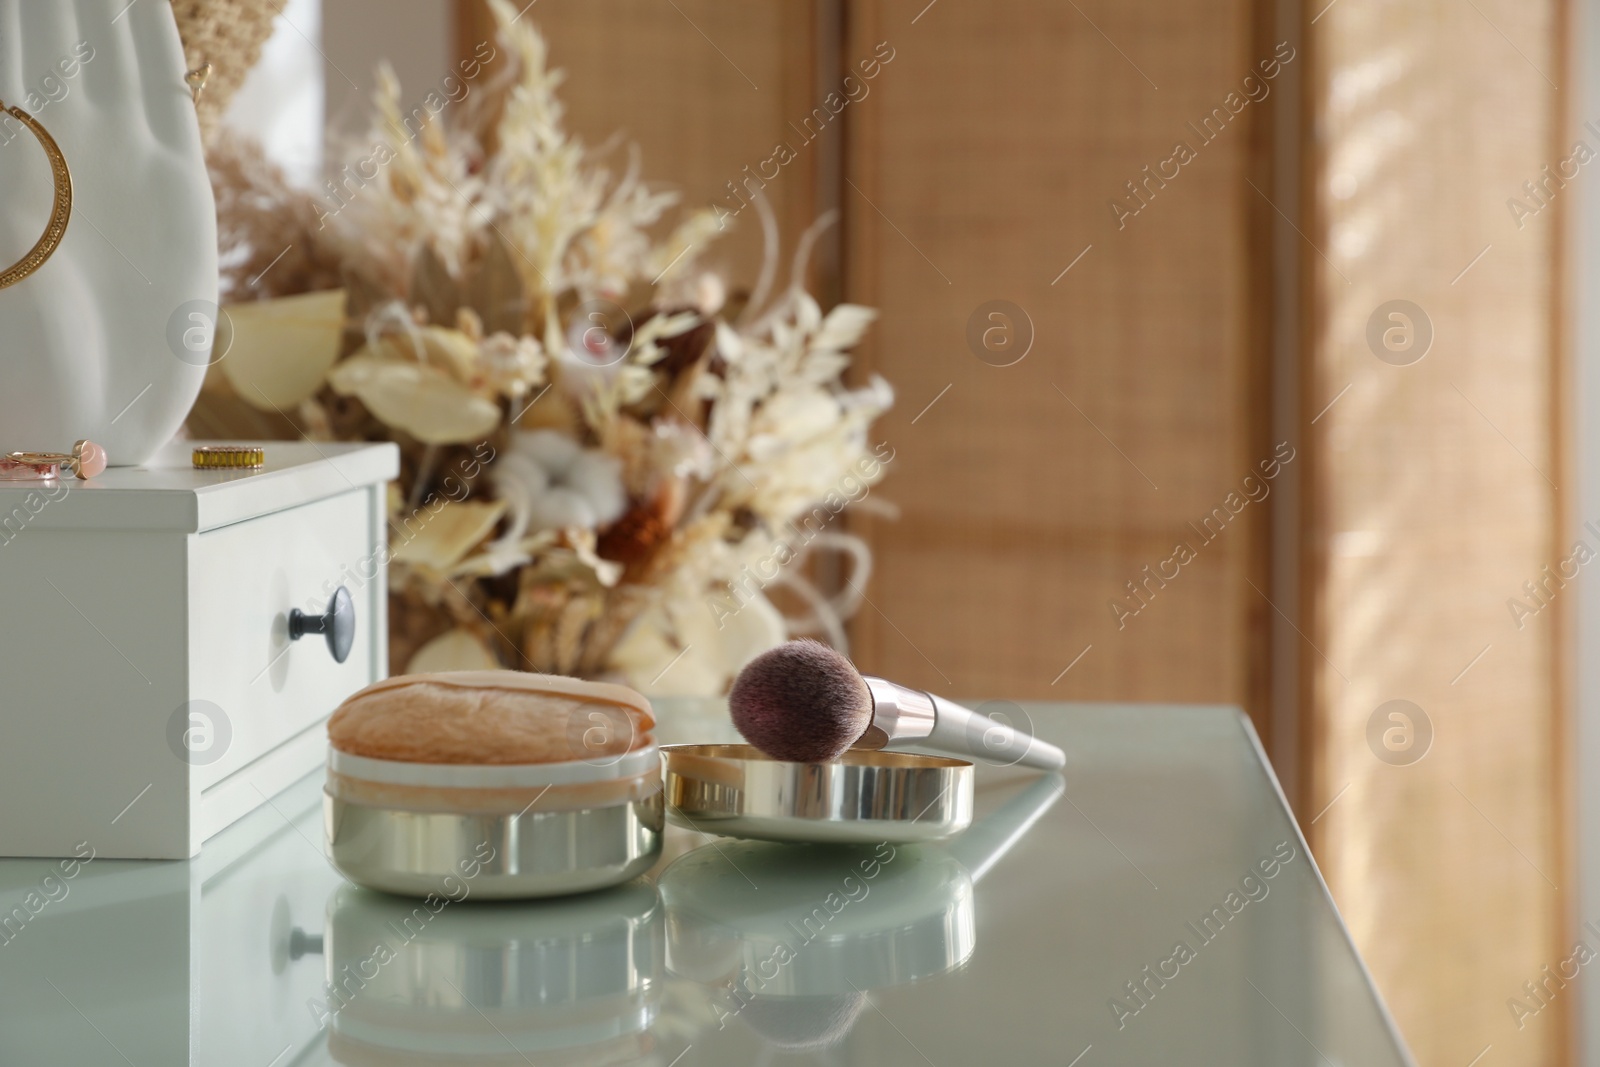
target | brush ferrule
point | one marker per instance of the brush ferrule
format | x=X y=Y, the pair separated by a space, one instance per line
x=898 y=714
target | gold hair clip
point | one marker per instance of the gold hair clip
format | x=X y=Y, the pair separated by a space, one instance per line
x=86 y=460
x=56 y=228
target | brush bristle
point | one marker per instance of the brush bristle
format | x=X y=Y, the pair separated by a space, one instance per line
x=802 y=702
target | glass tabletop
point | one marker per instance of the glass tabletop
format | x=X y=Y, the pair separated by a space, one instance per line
x=1153 y=904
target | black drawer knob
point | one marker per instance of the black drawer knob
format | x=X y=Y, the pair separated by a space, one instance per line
x=338 y=624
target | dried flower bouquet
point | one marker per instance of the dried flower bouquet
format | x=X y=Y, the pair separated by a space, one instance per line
x=608 y=460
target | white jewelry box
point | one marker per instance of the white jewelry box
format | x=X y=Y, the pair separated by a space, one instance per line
x=150 y=690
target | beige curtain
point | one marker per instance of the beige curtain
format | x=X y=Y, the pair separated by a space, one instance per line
x=1437 y=485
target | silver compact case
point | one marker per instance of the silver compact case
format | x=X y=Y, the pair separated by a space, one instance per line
x=862 y=797
x=493 y=831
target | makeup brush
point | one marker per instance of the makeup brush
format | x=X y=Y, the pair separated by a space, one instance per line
x=805 y=703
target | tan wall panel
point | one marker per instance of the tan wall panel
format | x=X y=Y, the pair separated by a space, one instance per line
x=968 y=577
x=1434 y=500
x=984 y=162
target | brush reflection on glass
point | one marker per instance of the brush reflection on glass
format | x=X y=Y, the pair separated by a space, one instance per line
x=795 y=959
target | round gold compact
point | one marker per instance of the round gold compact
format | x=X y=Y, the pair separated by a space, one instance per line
x=862 y=797
x=494 y=784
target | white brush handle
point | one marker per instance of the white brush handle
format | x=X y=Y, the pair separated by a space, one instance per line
x=960 y=730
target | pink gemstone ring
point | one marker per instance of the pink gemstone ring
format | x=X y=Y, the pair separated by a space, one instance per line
x=86 y=460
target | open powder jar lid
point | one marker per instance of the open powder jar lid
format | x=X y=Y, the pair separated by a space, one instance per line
x=498 y=784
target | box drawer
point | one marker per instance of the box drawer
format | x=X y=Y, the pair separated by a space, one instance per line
x=252 y=686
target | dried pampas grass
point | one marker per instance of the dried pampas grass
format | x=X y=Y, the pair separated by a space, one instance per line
x=261 y=218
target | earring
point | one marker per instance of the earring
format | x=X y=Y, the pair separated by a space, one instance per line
x=61 y=211
x=196 y=79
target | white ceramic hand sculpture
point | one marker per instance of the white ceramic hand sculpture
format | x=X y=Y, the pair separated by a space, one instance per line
x=101 y=342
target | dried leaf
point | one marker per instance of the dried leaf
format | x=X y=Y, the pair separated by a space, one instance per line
x=572 y=627
x=672 y=353
x=844 y=326
x=366 y=295
x=446 y=349
x=456 y=650
x=623 y=605
x=433 y=287
x=440 y=538
x=277 y=352
x=424 y=401
x=219 y=415
x=703 y=651
x=495 y=289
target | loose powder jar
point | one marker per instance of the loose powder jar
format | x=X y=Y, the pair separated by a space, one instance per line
x=492 y=784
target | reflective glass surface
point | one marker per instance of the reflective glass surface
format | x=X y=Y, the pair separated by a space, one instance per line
x=1155 y=904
